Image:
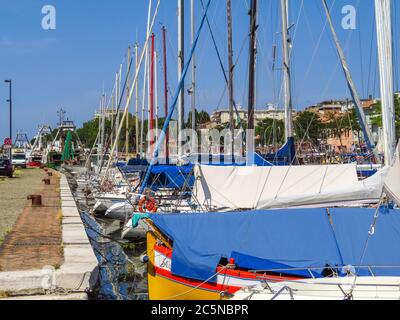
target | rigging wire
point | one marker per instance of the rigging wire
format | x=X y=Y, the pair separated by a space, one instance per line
x=371 y=51
x=221 y=64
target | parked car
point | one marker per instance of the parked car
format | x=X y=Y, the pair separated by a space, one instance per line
x=6 y=168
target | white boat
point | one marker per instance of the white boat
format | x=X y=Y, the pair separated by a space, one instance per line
x=105 y=201
x=347 y=288
x=120 y=211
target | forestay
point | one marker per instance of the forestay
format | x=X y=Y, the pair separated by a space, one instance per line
x=283 y=187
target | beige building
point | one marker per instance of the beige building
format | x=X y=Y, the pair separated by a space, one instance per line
x=222 y=116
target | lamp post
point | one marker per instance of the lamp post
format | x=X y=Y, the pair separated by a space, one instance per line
x=10 y=101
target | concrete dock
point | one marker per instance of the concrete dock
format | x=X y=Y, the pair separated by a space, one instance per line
x=47 y=254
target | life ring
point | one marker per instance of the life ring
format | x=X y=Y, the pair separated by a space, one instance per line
x=148 y=204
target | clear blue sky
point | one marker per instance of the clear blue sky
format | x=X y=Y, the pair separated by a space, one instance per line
x=68 y=67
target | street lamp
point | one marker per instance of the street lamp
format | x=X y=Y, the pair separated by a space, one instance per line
x=10 y=101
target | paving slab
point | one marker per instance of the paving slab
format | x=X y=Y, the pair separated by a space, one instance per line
x=74 y=234
x=67 y=297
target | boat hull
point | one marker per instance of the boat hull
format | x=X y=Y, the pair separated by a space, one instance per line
x=163 y=285
x=119 y=211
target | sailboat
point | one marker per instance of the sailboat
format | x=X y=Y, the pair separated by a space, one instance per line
x=216 y=255
x=221 y=188
x=248 y=188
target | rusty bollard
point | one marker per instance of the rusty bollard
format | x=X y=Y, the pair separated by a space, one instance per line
x=46 y=181
x=36 y=200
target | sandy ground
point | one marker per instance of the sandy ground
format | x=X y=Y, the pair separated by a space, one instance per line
x=13 y=194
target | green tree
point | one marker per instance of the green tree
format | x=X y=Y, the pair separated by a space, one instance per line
x=88 y=132
x=376 y=116
x=308 y=127
x=270 y=131
x=201 y=117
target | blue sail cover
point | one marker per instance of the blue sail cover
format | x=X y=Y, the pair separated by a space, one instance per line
x=285 y=239
x=285 y=155
x=171 y=176
x=351 y=228
x=287 y=151
x=257 y=240
x=261 y=162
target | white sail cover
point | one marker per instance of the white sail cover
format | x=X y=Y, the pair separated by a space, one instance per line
x=392 y=184
x=282 y=187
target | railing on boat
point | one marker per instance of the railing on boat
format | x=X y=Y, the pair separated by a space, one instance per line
x=345 y=269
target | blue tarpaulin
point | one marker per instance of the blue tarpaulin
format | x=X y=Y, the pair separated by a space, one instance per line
x=351 y=228
x=171 y=176
x=259 y=240
x=285 y=239
x=165 y=176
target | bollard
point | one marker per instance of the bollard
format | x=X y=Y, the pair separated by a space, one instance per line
x=45 y=169
x=46 y=181
x=36 y=200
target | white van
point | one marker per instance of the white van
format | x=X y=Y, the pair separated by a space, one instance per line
x=19 y=158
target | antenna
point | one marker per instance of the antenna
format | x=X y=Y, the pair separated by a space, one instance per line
x=61 y=116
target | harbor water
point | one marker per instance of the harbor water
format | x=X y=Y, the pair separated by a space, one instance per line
x=122 y=275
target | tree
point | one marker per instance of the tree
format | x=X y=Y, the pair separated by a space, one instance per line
x=201 y=117
x=271 y=131
x=308 y=127
x=376 y=117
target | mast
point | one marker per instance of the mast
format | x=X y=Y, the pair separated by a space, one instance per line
x=137 y=99
x=230 y=81
x=156 y=91
x=102 y=125
x=164 y=30
x=119 y=91
x=366 y=129
x=151 y=102
x=134 y=83
x=112 y=114
x=181 y=59
x=160 y=141
x=250 y=126
x=129 y=60
x=99 y=147
x=287 y=77
x=385 y=56
x=146 y=67
x=193 y=89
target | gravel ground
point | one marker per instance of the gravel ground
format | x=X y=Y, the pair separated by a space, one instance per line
x=13 y=194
